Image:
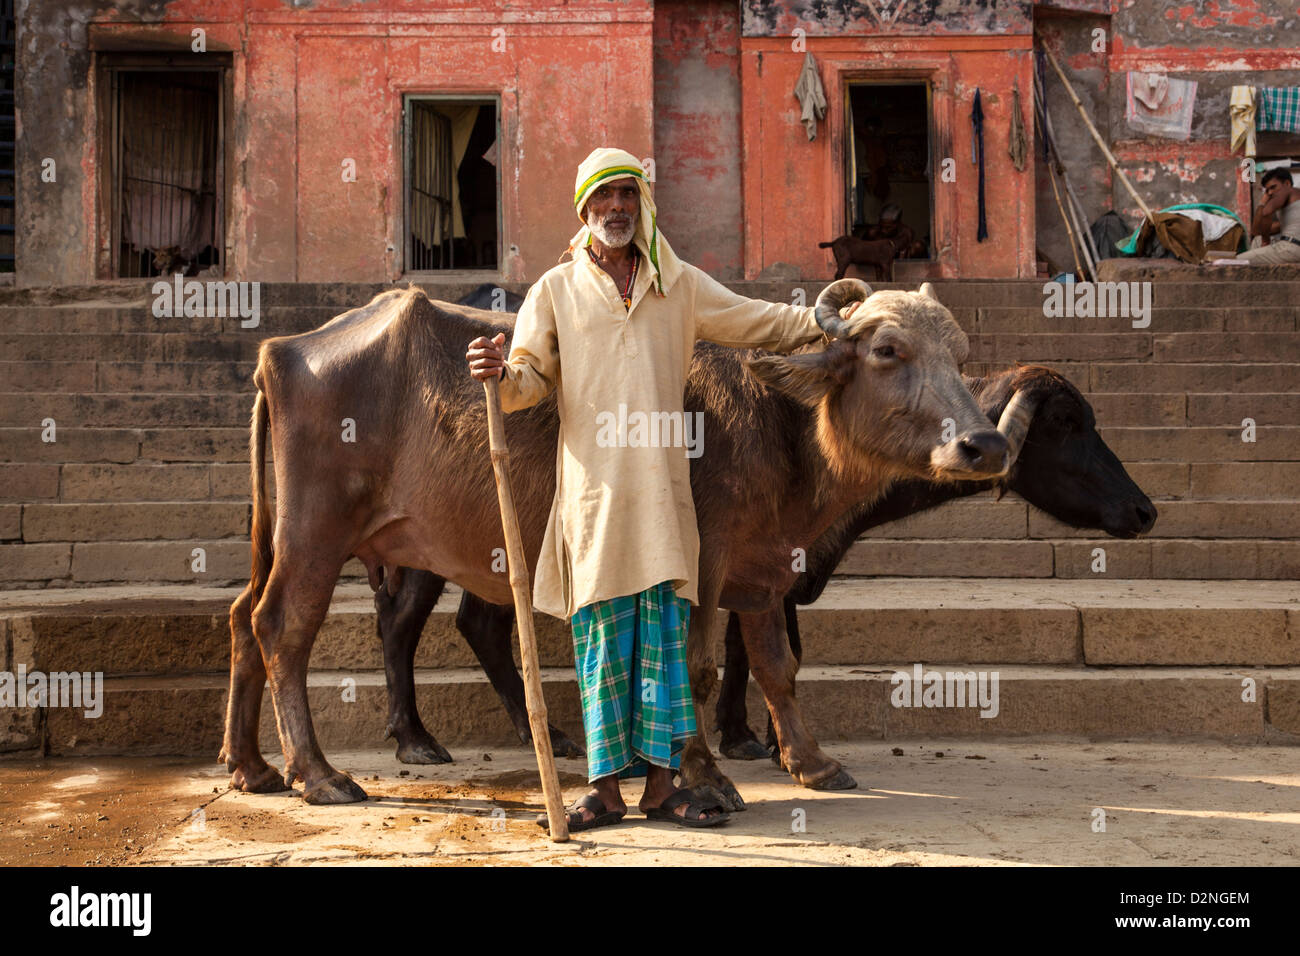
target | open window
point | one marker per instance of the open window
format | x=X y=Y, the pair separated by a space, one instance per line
x=168 y=176
x=889 y=177
x=452 y=185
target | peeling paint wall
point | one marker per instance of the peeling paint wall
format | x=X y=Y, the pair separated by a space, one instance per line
x=316 y=83
x=794 y=189
x=697 y=132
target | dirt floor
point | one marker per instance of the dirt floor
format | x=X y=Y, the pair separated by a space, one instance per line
x=928 y=804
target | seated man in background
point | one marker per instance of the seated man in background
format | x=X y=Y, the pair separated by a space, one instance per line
x=1277 y=220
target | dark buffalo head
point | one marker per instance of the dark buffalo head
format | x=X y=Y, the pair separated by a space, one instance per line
x=888 y=396
x=1062 y=465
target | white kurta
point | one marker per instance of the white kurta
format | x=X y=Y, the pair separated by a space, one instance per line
x=623 y=518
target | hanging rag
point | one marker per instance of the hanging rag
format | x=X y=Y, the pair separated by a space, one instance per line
x=812 y=99
x=977 y=155
x=1241 y=109
x=1017 y=145
x=1279 y=108
x=1159 y=106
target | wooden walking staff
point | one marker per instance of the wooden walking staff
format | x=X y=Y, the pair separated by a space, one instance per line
x=518 y=566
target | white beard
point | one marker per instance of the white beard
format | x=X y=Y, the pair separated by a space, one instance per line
x=614 y=239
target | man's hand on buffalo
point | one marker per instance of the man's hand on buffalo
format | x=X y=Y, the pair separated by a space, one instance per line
x=486 y=357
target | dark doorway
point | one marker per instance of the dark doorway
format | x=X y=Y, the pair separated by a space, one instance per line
x=168 y=175
x=452 y=184
x=889 y=176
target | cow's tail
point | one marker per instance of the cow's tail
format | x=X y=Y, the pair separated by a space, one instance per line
x=261 y=534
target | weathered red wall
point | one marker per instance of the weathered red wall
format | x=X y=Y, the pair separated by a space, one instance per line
x=319 y=84
x=697 y=132
x=794 y=188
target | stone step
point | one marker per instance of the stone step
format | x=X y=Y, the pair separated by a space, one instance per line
x=1171 y=558
x=185 y=715
x=127 y=409
x=232 y=408
x=1167 y=348
x=1164 y=320
x=129 y=347
x=151 y=631
x=1223 y=444
x=1157 y=378
x=982 y=516
x=275 y=320
x=125 y=445
x=225 y=561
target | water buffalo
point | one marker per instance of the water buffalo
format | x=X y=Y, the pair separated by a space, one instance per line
x=380 y=452
x=1064 y=468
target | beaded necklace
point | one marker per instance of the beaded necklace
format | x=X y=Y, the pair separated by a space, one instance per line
x=631 y=276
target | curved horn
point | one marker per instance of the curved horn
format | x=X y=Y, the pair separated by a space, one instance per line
x=835 y=297
x=1014 y=423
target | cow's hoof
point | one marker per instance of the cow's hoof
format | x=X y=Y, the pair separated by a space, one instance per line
x=336 y=788
x=712 y=782
x=266 y=780
x=747 y=748
x=425 y=751
x=840 y=780
x=562 y=746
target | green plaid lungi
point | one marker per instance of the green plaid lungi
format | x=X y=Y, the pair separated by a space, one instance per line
x=630 y=655
x=1279 y=108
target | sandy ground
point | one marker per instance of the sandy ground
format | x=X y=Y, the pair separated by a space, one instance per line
x=987 y=803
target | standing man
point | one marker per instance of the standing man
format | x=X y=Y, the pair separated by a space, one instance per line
x=1277 y=220
x=612 y=330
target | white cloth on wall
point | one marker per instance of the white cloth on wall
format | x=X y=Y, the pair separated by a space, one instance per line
x=1159 y=106
x=811 y=96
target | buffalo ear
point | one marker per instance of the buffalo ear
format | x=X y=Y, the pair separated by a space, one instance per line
x=927 y=290
x=805 y=378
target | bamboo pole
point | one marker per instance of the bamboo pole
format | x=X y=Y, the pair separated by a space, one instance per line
x=1069 y=230
x=1072 y=201
x=518 y=567
x=1110 y=158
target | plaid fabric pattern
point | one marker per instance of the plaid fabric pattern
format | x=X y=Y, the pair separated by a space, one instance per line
x=1279 y=108
x=630 y=655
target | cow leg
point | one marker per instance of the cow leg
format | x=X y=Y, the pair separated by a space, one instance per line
x=774 y=668
x=699 y=768
x=401 y=619
x=285 y=622
x=738 y=741
x=239 y=751
x=796 y=648
x=486 y=627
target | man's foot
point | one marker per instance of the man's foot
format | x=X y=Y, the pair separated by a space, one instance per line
x=587 y=813
x=613 y=803
x=660 y=790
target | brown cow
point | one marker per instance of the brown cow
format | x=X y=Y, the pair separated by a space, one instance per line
x=792 y=446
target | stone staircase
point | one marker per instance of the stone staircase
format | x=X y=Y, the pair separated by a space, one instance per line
x=98 y=532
